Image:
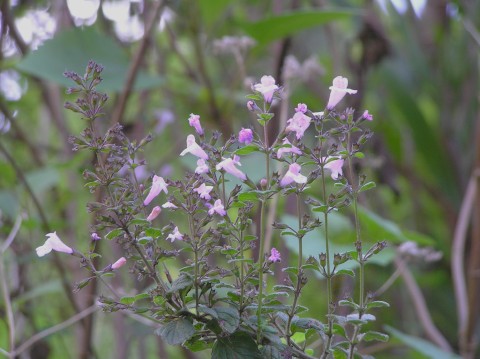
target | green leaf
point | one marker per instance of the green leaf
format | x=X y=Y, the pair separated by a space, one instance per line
x=372 y=335
x=153 y=232
x=246 y=150
x=367 y=186
x=183 y=281
x=228 y=318
x=236 y=346
x=420 y=345
x=114 y=233
x=348 y=272
x=377 y=304
x=248 y=197
x=177 y=331
x=277 y=27
x=127 y=300
x=72 y=49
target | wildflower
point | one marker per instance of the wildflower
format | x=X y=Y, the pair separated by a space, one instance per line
x=245 y=136
x=299 y=124
x=204 y=191
x=194 y=148
x=335 y=166
x=154 y=213
x=119 y=263
x=194 y=121
x=53 y=243
x=251 y=106
x=217 y=208
x=338 y=91
x=290 y=149
x=176 y=235
x=293 y=175
x=274 y=256
x=228 y=165
x=301 y=107
x=367 y=116
x=169 y=205
x=201 y=167
x=266 y=87
x=95 y=237
x=158 y=185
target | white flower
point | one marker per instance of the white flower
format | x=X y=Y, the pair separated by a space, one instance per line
x=53 y=243
x=338 y=91
x=293 y=175
x=194 y=148
x=204 y=191
x=266 y=87
x=158 y=185
x=176 y=235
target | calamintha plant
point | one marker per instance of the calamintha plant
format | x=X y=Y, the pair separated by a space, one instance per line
x=223 y=295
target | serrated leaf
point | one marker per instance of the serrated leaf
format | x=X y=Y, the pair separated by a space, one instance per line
x=183 y=281
x=177 y=331
x=228 y=318
x=114 y=233
x=236 y=346
x=153 y=232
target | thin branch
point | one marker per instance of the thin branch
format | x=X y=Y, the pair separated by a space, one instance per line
x=139 y=56
x=8 y=307
x=12 y=235
x=421 y=308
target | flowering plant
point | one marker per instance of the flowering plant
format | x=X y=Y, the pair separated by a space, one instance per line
x=224 y=297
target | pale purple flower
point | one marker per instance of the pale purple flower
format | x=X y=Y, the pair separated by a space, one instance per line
x=53 y=243
x=194 y=121
x=194 y=148
x=204 y=191
x=175 y=235
x=95 y=237
x=228 y=165
x=291 y=149
x=245 y=136
x=338 y=91
x=335 y=166
x=158 y=185
x=251 y=106
x=154 y=213
x=298 y=124
x=301 y=107
x=202 y=167
x=274 y=256
x=266 y=87
x=119 y=263
x=169 y=205
x=293 y=175
x=367 y=116
x=217 y=208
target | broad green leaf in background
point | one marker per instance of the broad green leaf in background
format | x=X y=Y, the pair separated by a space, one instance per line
x=177 y=331
x=236 y=346
x=277 y=27
x=420 y=345
x=70 y=50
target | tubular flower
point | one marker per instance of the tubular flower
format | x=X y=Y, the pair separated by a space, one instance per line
x=169 y=205
x=53 y=243
x=245 y=136
x=298 y=124
x=158 y=185
x=194 y=148
x=204 y=191
x=274 y=256
x=338 y=91
x=293 y=175
x=291 y=149
x=301 y=107
x=194 y=121
x=119 y=263
x=266 y=87
x=228 y=165
x=217 y=208
x=367 y=116
x=154 y=213
x=201 y=167
x=334 y=166
x=175 y=235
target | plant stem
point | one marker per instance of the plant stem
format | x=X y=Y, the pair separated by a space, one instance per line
x=261 y=257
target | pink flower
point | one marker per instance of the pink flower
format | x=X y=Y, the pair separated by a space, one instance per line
x=251 y=106
x=154 y=213
x=334 y=164
x=204 y=191
x=293 y=175
x=201 y=167
x=266 y=87
x=301 y=107
x=299 y=124
x=119 y=263
x=338 y=91
x=53 y=243
x=290 y=149
x=194 y=148
x=217 y=208
x=158 y=185
x=245 y=136
x=367 y=116
x=176 y=235
x=95 y=237
x=274 y=256
x=194 y=121
x=228 y=165
x=169 y=205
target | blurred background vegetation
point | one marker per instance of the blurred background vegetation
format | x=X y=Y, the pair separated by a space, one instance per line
x=414 y=63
